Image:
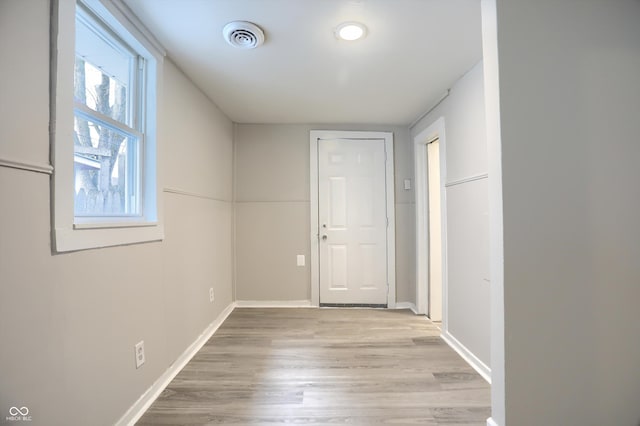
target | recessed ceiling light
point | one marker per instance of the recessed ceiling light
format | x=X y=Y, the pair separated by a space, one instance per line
x=351 y=31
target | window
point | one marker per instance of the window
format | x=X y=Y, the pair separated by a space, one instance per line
x=103 y=116
x=108 y=135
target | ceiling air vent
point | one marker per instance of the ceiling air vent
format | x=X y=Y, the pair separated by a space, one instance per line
x=243 y=35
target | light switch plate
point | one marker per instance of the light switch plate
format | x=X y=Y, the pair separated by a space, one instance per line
x=407 y=184
x=300 y=260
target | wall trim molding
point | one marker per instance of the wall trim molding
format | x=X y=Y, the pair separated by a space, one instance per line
x=271 y=201
x=274 y=304
x=122 y=7
x=135 y=412
x=435 y=105
x=407 y=305
x=467 y=180
x=192 y=194
x=491 y=422
x=46 y=169
x=467 y=355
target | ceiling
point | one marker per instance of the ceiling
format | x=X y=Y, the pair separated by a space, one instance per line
x=413 y=52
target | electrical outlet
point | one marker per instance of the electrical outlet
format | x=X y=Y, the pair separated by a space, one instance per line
x=211 y=295
x=300 y=260
x=139 y=353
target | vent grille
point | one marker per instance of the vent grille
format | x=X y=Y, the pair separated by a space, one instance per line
x=243 y=35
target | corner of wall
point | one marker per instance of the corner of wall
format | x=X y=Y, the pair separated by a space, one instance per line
x=234 y=168
x=137 y=410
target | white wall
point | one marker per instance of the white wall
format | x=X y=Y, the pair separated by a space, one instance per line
x=272 y=210
x=19 y=100
x=468 y=295
x=496 y=250
x=69 y=322
x=570 y=123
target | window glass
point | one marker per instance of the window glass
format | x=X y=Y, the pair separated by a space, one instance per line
x=104 y=71
x=106 y=141
x=106 y=178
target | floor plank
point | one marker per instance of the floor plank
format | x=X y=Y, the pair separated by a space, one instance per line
x=324 y=367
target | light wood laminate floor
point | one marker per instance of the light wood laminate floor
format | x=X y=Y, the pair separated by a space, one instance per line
x=324 y=367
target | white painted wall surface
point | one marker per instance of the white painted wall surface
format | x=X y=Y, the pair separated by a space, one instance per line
x=468 y=307
x=570 y=123
x=272 y=210
x=468 y=266
x=69 y=322
x=18 y=100
x=496 y=251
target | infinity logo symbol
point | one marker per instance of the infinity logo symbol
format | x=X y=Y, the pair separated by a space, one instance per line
x=14 y=411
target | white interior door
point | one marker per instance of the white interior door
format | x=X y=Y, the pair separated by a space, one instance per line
x=435 y=232
x=352 y=220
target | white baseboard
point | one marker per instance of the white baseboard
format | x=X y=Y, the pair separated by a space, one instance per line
x=468 y=356
x=136 y=411
x=407 y=305
x=491 y=422
x=273 y=303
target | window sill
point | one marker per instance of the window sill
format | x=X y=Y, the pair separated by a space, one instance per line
x=93 y=236
x=89 y=224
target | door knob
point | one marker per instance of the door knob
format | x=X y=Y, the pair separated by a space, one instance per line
x=324 y=238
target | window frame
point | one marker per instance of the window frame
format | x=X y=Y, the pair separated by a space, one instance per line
x=133 y=127
x=71 y=233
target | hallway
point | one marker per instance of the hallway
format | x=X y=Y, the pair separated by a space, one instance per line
x=324 y=366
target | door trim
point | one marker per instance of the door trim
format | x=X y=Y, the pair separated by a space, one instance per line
x=316 y=135
x=435 y=131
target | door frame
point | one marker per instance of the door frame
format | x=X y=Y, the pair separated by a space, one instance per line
x=435 y=131
x=314 y=137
